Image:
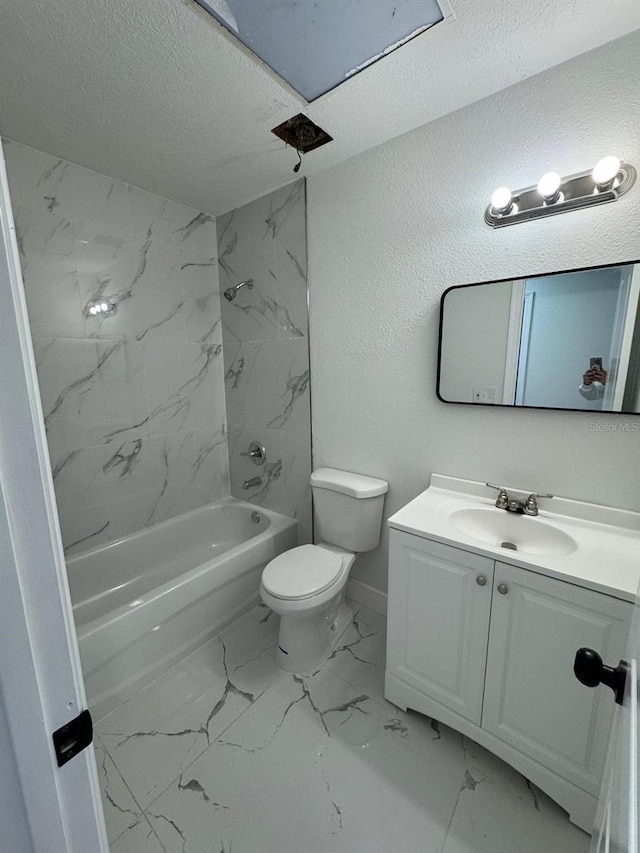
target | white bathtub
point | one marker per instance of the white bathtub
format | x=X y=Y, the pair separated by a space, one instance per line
x=144 y=601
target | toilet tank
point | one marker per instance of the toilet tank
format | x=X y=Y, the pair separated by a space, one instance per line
x=348 y=508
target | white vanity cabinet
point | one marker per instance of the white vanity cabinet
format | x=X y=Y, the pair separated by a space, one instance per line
x=438 y=621
x=533 y=701
x=488 y=649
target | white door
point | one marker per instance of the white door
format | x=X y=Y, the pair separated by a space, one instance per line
x=438 y=617
x=617 y=828
x=532 y=700
x=40 y=672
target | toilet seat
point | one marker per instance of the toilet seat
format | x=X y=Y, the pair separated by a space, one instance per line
x=302 y=572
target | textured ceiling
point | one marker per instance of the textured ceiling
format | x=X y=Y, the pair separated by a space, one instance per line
x=159 y=95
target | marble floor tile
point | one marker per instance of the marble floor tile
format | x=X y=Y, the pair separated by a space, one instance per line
x=251 y=644
x=325 y=768
x=121 y=812
x=139 y=839
x=158 y=732
x=228 y=753
x=165 y=727
x=489 y=819
x=360 y=657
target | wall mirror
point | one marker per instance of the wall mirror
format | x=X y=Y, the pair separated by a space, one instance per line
x=566 y=340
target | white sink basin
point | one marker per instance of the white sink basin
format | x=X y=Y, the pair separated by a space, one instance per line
x=512 y=531
x=593 y=546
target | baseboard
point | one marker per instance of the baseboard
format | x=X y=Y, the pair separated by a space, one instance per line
x=367 y=595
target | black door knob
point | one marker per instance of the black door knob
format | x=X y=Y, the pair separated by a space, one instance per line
x=591 y=671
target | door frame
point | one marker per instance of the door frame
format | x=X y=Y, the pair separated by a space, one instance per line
x=514 y=333
x=40 y=672
x=622 y=338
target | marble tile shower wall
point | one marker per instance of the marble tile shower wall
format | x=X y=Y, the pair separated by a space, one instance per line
x=133 y=403
x=266 y=352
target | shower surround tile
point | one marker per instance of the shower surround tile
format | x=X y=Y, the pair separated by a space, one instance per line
x=266 y=351
x=296 y=474
x=210 y=463
x=267 y=384
x=91 y=391
x=185 y=385
x=277 y=391
x=149 y=481
x=108 y=491
x=149 y=306
x=49 y=185
x=293 y=320
x=133 y=402
x=253 y=314
x=202 y=316
x=84 y=528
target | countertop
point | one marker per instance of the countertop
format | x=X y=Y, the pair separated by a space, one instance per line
x=607 y=557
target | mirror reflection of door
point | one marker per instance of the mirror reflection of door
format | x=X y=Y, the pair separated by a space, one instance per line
x=565 y=325
x=568 y=340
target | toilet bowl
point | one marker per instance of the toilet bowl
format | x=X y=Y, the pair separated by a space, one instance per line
x=305 y=586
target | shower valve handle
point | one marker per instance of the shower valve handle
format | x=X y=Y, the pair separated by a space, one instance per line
x=256 y=453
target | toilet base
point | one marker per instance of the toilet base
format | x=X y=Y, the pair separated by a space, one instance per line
x=306 y=643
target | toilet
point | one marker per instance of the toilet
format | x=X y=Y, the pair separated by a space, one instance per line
x=306 y=585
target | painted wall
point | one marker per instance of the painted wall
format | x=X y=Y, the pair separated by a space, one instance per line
x=133 y=403
x=266 y=352
x=16 y=836
x=391 y=229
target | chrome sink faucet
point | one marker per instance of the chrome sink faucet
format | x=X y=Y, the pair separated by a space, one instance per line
x=511 y=504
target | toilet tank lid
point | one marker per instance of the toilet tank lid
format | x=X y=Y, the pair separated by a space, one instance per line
x=347 y=483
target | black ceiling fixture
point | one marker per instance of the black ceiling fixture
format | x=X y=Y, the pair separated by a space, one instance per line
x=302 y=134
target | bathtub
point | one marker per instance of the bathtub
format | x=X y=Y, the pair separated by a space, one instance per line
x=146 y=600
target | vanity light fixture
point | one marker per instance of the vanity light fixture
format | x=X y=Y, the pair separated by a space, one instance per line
x=549 y=187
x=102 y=308
x=501 y=201
x=607 y=181
x=605 y=172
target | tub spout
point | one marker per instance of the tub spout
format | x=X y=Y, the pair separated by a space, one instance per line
x=252 y=483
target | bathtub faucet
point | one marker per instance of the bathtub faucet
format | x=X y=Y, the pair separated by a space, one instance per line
x=250 y=484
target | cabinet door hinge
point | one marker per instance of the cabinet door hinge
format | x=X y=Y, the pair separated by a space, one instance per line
x=73 y=737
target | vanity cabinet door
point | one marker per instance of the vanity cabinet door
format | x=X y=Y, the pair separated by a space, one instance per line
x=438 y=621
x=532 y=699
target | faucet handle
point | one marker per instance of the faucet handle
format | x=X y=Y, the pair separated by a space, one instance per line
x=531 y=503
x=533 y=497
x=503 y=498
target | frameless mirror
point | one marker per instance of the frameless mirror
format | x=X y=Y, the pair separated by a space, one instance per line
x=567 y=340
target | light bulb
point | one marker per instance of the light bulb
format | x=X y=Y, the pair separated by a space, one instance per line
x=501 y=200
x=605 y=172
x=549 y=185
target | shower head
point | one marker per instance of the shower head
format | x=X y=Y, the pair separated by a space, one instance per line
x=230 y=292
